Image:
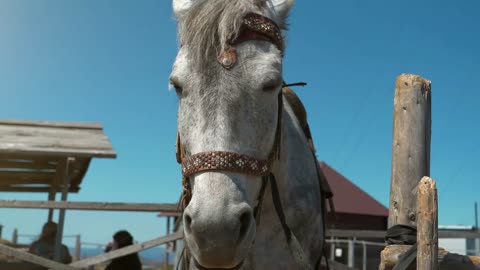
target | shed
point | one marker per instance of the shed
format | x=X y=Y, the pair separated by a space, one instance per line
x=50 y=157
x=355 y=208
x=33 y=154
x=355 y=211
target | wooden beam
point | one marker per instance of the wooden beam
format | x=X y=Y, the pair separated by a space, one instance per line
x=32 y=258
x=427 y=229
x=61 y=217
x=411 y=146
x=127 y=250
x=446 y=260
x=26 y=164
x=24 y=181
x=75 y=150
x=26 y=175
x=50 y=124
x=57 y=141
x=18 y=157
x=381 y=234
x=33 y=189
x=98 y=206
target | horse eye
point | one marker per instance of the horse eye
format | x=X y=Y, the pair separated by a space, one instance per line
x=177 y=87
x=270 y=87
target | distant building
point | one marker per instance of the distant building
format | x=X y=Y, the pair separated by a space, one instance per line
x=462 y=246
x=355 y=209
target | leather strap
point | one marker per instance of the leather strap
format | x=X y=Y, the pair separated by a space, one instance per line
x=224 y=161
x=258 y=208
x=292 y=241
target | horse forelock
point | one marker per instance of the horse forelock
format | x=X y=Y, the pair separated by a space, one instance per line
x=208 y=25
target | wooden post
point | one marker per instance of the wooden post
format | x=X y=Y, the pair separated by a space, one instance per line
x=78 y=248
x=167 y=251
x=427 y=229
x=15 y=236
x=446 y=260
x=51 y=197
x=61 y=217
x=411 y=146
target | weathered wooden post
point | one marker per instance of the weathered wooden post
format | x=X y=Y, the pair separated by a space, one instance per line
x=427 y=225
x=446 y=260
x=78 y=248
x=411 y=146
x=410 y=150
x=15 y=236
x=167 y=246
x=61 y=216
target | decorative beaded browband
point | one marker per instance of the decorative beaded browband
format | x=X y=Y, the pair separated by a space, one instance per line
x=254 y=27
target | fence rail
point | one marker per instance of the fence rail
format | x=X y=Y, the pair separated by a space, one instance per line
x=97 y=206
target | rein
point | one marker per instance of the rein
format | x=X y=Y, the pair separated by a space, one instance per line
x=254 y=27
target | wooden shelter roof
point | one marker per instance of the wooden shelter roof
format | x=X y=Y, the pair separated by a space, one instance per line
x=33 y=154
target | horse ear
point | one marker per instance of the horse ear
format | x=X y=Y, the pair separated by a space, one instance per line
x=279 y=9
x=180 y=6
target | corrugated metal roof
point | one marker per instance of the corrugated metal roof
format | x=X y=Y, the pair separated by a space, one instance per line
x=349 y=198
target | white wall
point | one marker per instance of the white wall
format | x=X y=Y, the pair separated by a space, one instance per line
x=454 y=245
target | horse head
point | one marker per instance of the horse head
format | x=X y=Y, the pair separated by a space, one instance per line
x=228 y=78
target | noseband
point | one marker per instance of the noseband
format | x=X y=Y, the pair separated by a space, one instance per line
x=254 y=27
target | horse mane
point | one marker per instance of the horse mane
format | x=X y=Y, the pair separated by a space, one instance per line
x=207 y=26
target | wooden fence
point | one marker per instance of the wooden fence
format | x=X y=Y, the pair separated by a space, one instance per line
x=81 y=264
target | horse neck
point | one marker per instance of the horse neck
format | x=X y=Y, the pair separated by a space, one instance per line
x=295 y=171
x=300 y=197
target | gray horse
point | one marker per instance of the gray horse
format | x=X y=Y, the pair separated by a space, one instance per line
x=232 y=103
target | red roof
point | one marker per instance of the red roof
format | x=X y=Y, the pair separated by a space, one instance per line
x=348 y=198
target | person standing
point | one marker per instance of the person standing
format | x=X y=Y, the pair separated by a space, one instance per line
x=45 y=245
x=128 y=262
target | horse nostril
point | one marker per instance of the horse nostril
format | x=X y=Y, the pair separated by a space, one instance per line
x=188 y=222
x=245 y=220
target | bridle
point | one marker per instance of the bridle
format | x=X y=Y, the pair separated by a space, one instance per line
x=254 y=27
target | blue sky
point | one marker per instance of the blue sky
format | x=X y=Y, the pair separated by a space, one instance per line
x=108 y=61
